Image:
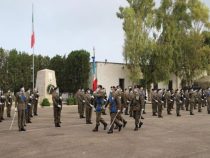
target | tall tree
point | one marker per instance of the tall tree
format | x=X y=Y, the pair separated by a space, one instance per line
x=77 y=70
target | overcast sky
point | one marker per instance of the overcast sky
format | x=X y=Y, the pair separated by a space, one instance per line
x=64 y=25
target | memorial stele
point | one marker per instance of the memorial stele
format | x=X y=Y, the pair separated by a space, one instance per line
x=45 y=78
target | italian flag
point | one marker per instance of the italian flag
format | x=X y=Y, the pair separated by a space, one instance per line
x=95 y=81
x=33 y=34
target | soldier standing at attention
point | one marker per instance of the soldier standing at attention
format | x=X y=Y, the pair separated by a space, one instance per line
x=99 y=95
x=35 y=102
x=21 y=106
x=191 y=101
x=208 y=100
x=199 y=95
x=154 y=102
x=186 y=94
x=9 y=103
x=160 y=102
x=57 y=106
x=3 y=101
x=88 y=108
x=178 y=103
x=169 y=102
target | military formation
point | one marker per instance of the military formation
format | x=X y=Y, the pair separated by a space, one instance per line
x=25 y=105
x=188 y=99
x=119 y=102
x=130 y=101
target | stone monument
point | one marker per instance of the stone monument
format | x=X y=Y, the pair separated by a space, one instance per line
x=45 y=78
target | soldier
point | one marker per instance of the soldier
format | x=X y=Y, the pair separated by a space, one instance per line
x=81 y=103
x=160 y=102
x=118 y=95
x=164 y=98
x=186 y=95
x=3 y=101
x=104 y=101
x=199 y=95
x=126 y=101
x=131 y=96
x=169 y=101
x=114 y=108
x=137 y=104
x=9 y=103
x=154 y=102
x=35 y=101
x=99 y=95
x=29 y=98
x=179 y=102
x=57 y=106
x=88 y=104
x=20 y=103
x=191 y=101
x=208 y=100
x=143 y=94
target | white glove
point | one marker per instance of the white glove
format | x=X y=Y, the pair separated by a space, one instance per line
x=118 y=111
x=59 y=106
x=83 y=101
x=16 y=110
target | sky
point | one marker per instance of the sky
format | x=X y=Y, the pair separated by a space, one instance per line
x=62 y=26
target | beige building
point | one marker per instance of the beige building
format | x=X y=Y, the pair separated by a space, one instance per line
x=113 y=74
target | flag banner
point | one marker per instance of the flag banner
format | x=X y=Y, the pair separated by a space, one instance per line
x=95 y=81
x=33 y=34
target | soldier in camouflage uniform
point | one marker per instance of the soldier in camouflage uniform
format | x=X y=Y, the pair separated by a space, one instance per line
x=99 y=96
x=9 y=103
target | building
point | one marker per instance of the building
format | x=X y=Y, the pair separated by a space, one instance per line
x=113 y=74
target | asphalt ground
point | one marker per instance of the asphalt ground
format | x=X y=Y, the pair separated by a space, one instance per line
x=167 y=137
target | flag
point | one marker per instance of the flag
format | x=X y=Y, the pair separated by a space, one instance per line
x=33 y=34
x=95 y=81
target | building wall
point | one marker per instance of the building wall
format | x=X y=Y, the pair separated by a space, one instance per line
x=108 y=74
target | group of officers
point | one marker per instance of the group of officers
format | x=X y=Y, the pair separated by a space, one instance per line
x=131 y=100
x=26 y=103
x=188 y=99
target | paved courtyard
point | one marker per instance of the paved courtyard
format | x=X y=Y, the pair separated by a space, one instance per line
x=169 y=137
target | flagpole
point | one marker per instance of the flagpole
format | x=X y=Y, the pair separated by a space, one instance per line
x=33 y=45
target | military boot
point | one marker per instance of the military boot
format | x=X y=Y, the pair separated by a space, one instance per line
x=178 y=115
x=110 y=132
x=191 y=113
x=199 y=110
x=105 y=125
x=136 y=128
x=124 y=123
x=154 y=114
x=140 y=124
x=96 y=129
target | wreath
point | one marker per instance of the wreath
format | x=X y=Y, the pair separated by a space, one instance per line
x=50 y=88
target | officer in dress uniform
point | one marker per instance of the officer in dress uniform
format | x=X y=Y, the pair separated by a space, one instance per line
x=9 y=103
x=20 y=103
x=57 y=106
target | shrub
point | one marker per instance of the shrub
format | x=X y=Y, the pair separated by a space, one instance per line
x=70 y=101
x=45 y=102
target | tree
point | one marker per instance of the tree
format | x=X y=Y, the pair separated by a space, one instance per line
x=77 y=70
x=57 y=63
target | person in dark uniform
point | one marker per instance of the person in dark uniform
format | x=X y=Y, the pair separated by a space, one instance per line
x=20 y=103
x=57 y=106
x=99 y=96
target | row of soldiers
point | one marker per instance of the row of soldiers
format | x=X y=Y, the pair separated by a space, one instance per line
x=117 y=101
x=188 y=99
x=25 y=103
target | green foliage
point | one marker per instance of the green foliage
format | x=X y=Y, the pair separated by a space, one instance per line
x=45 y=102
x=178 y=45
x=71 y=101
x=77 y=70
x=16 y=69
